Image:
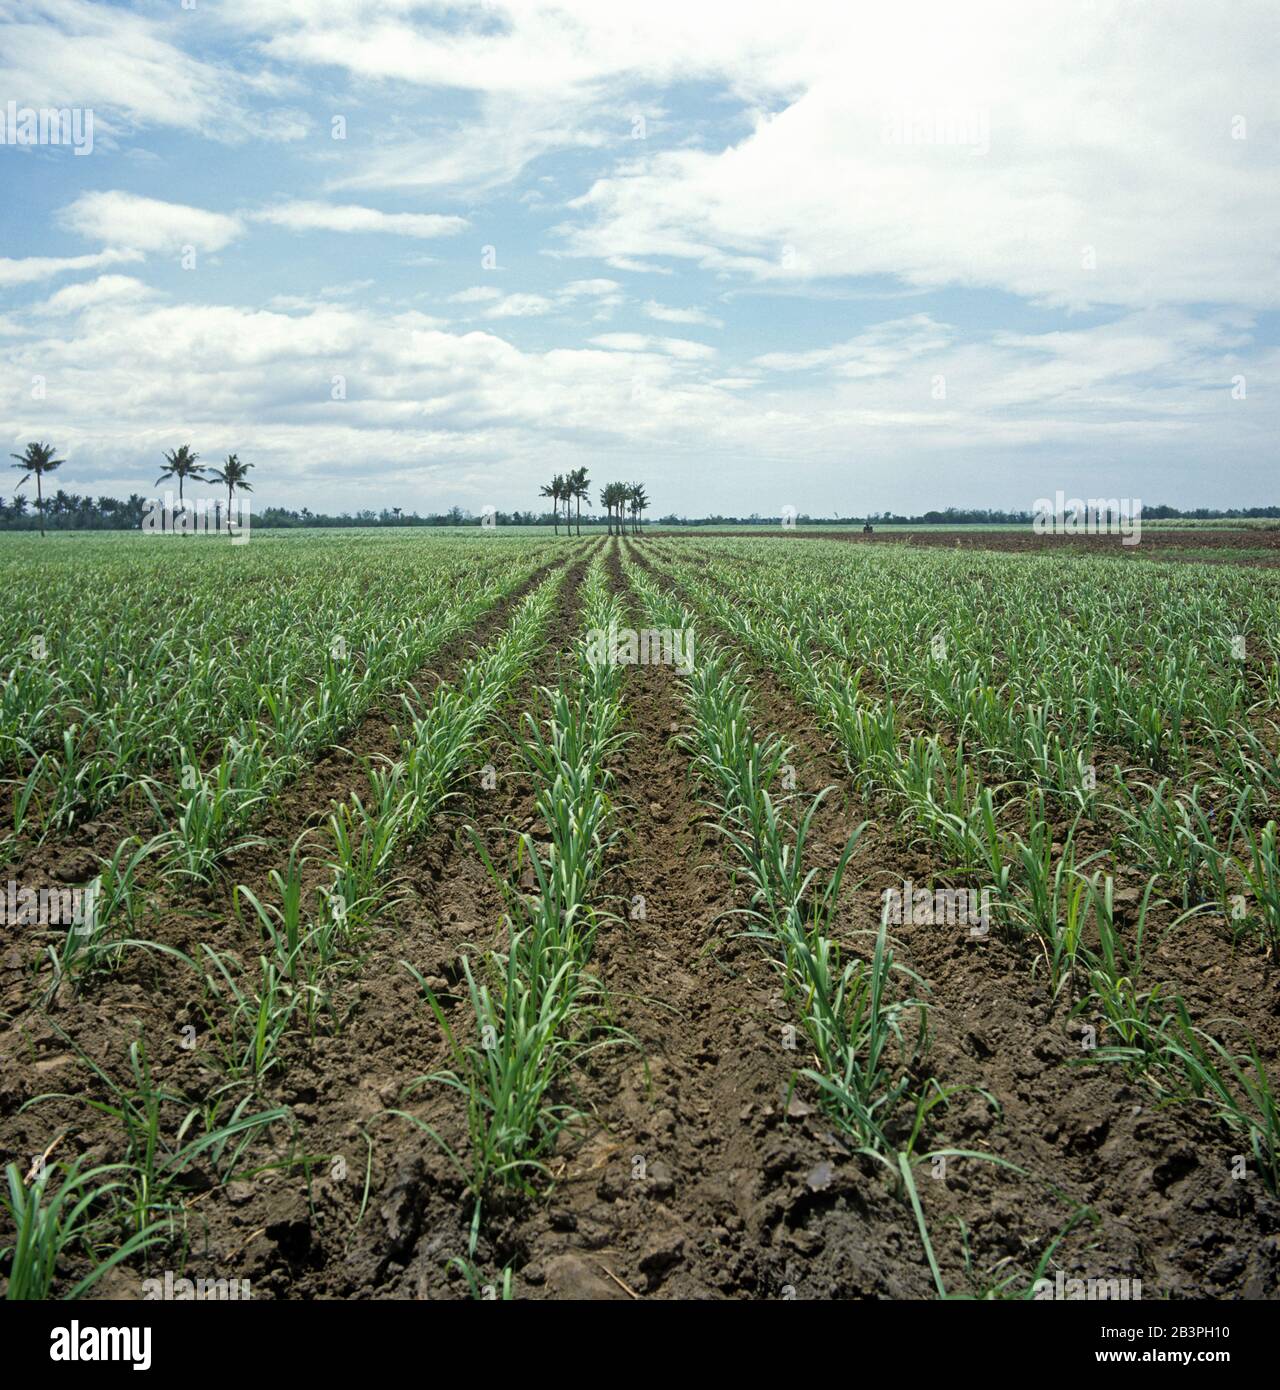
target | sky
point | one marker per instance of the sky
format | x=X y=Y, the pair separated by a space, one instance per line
x=845 y=257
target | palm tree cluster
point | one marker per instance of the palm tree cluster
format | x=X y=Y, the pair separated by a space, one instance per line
x=37 y=461
x=620 y=500
x=182 y=464
x=566 y=488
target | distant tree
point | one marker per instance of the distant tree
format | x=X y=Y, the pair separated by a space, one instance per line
x=638 y=501
x=182 y=464
x=614 y=497
x=555 y=490
x=37 y=460
x=233 y=474
x=578 y=482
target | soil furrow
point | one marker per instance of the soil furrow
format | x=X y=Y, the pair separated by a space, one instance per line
x=289 y=1235
x=1087 y=1132
x=693 y=1181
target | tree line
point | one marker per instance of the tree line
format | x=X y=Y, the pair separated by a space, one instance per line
x=625 y=505
x=70 y=511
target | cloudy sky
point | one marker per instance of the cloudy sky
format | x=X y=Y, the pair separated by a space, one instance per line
x=842 y=256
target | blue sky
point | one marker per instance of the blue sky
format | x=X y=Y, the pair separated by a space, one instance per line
x=824 y=256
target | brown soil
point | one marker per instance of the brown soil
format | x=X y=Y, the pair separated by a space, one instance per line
x=1163 y=545
x=697 y=1174
x=303 y=803
x=1157 y=1182
x=287 y=1233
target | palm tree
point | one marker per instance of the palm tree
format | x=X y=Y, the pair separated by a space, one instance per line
x=639 y=501
x=38 y=460
x=614 y=497
x=578 y=481
x=552 y=490
x=557 y=489
x=182 y=465
x=233 y=474
x=566 y=496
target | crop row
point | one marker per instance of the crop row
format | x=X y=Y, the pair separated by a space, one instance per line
x=156 y=697
x=1042 y=888
x=535 y=1005
x=249 y=1005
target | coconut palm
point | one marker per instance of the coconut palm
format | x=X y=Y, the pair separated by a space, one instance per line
x=233 y=474
x=182 y=465
x=553 y=489
x=37 y=460
x=566 y=496
x=578 y=481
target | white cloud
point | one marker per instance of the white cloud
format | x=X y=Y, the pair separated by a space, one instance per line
x=595 y=288
x=881 y=349
x=131 y=70
x=147 y=224
x=683 y=348
x=489 y=150
x=32 y=268
x=665 y=313
x=602 y=296
x=106 y=289
x=425 y=405
x=306 y=216
x=639 y=266
x=1035 y=133
x=1035 y=136
x=519 y=306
